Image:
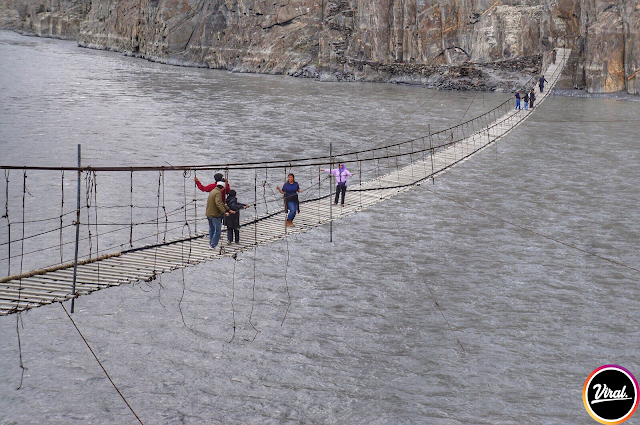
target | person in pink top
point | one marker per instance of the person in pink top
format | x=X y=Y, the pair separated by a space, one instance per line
x=208 y=188
x=341 y=174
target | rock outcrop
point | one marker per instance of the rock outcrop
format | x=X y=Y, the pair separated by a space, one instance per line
x=466 y=44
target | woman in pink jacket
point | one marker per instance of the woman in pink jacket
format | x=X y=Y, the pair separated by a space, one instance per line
x=342 y=174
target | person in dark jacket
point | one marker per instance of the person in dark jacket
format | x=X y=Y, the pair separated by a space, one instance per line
x=541 y=83
x=532 y=98
x=517 y=96
x=526 y=101
x=232 y=221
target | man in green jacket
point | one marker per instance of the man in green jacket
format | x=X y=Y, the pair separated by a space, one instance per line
x=216 y=209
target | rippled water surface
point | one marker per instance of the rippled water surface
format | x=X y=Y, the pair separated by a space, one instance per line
x=520 y=320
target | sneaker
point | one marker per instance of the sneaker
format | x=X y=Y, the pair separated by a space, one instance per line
x=212 y=247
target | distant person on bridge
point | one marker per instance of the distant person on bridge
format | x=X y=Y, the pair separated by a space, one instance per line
x=216 y=210
x=517 y=96
x=541 y=83
x=526 y=101
x=218 y=178
x=532 y=98
x=342 y=174
x=291 y=203
x=232 y=221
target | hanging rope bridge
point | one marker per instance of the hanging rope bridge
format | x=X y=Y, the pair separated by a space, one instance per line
x=382 y=172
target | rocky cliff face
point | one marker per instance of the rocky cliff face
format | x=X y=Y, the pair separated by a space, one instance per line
x=478 y=44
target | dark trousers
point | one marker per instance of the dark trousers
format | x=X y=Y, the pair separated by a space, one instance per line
x=230 y=234
x=341 y=188
x=531 y=104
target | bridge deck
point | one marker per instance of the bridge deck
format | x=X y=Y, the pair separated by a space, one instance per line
x=55 y=285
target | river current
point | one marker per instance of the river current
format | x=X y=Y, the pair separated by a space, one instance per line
x=420 y=311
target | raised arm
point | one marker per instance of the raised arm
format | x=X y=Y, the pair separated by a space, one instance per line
x=207 y=188
x=333 y=172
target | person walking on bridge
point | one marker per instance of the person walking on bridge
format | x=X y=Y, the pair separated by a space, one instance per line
x=216 y=210
x=541 y=83
x=532 y=98
x=526 y=101
x=517 y=96
x=291 y=203
x=208 y=188
x=232 y=221
x=342 y=174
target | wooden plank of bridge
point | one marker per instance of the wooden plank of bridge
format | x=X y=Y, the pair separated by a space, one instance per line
x=147 y=263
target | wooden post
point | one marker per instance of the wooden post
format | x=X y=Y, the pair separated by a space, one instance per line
x=75 y=258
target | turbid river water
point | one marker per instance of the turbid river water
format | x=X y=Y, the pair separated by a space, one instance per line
x=520 y=320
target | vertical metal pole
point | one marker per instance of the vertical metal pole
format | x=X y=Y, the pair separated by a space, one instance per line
x=75 y=258
x=433 y=177
x=255 y=210
x=330 y=193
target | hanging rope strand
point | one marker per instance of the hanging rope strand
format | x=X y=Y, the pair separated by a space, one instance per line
x=100 y=363
x=87 y=180
x=61 y=214
x=95 y=203
x=6 y=215
x=24 y=191
x=155 y=254
x=164 y=210
x=233 y=296
x=131 y=211
x=255 y=250
x=195 y=207
x=185 y=174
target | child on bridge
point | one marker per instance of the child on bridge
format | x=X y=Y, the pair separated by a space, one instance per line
x=232 y=221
